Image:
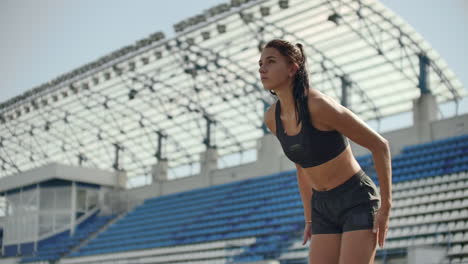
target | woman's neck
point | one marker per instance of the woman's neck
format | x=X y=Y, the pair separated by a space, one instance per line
x=286 y=98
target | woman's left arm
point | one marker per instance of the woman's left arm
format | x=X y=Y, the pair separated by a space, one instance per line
x=338 y=117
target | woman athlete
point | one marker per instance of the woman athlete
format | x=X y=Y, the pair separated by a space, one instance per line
x=346 y=217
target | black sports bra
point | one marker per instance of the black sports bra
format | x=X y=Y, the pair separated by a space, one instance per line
x=310 y=147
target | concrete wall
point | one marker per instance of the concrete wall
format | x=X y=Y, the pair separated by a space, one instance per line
x=392 y=260
x=58 y=171
x=451 y=127
x=427 y=255
x=9 y=260
x=271 y=159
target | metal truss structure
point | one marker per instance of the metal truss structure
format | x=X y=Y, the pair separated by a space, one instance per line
x=171 y=99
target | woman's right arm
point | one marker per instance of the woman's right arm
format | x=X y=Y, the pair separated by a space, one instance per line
x=306 y=194
x=304 y=188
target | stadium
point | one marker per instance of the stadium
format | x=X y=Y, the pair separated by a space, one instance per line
x=158 y=152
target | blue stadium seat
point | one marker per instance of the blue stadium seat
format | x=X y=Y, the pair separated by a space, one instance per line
x=270 y=208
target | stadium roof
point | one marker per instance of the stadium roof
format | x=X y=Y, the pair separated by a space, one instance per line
x=173 y=98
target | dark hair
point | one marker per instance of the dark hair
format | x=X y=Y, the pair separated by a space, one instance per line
x=295 y=54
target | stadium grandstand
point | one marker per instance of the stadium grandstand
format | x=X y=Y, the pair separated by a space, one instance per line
x=158 y=153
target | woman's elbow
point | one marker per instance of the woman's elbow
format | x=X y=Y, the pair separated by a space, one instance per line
x=381 y=145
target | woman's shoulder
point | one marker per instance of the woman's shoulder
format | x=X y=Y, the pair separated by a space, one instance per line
x=319 y=105
x=317 y=101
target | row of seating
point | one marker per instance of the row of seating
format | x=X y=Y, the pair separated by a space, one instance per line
x=406 y=231
x=210 y=252
x=438 y=158
x=429 y=199
x=429 y=183
x=436 y=229
x=446 y=216
x=431 y=208
x=429 y=204
x=456 y=260
x=137 y=232
x=462 y=139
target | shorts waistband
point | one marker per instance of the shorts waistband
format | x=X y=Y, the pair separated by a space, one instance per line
x=340 y=188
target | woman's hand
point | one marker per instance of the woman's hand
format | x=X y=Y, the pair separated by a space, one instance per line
x=381 y=221
x=307 y=232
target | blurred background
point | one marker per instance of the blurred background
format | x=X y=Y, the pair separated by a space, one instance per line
x=132 y=131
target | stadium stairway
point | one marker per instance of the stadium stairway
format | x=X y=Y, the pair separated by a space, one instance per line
x=263 y=216
x=55 y=247
x=93 y=234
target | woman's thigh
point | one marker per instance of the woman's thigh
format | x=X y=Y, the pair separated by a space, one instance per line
x=324 y=248
x=362 y=252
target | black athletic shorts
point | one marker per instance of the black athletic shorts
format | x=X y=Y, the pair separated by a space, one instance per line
x=347 y=207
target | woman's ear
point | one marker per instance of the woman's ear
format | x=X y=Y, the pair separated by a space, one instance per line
x=293 y=69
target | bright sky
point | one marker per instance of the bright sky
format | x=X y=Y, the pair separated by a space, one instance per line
x=41 y=40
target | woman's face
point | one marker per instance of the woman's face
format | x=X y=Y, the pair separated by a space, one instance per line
x=274 y=69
